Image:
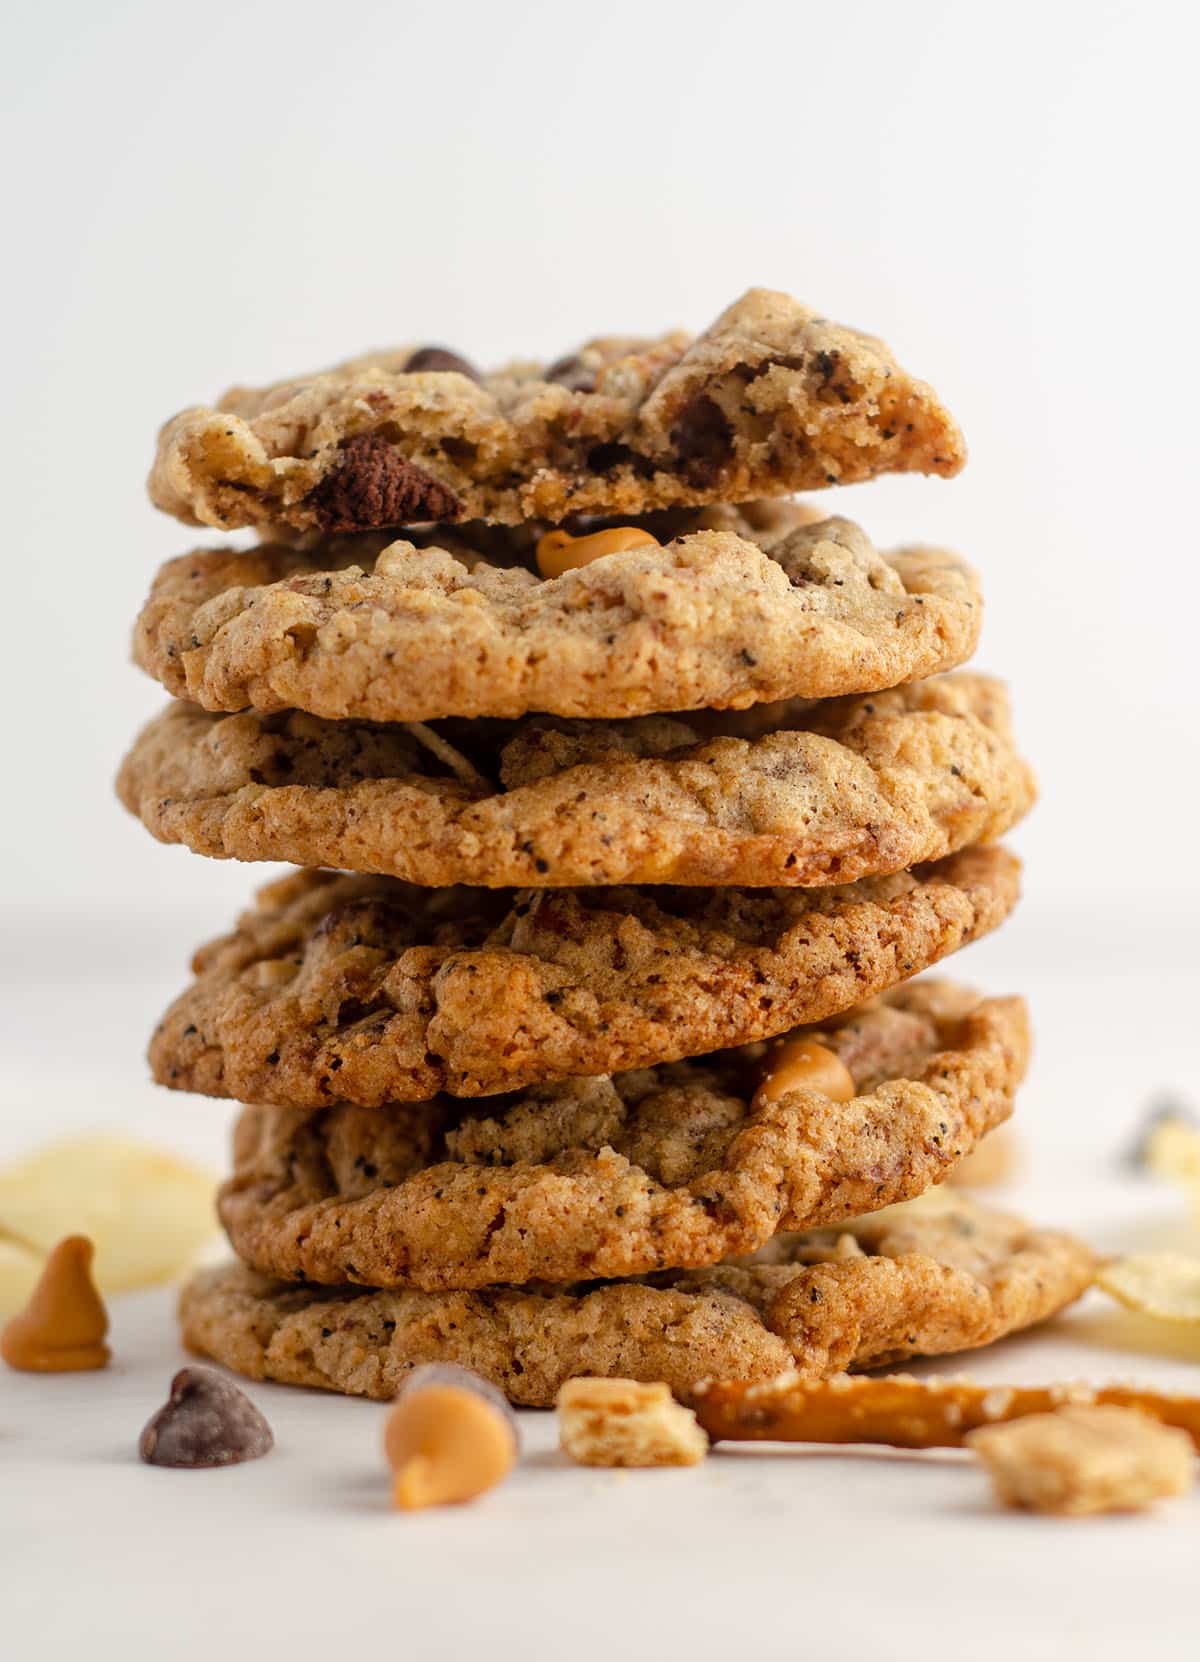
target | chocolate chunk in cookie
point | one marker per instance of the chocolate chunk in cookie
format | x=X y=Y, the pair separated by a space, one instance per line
x=438 y=360
x=373 y=485
x=704 y=440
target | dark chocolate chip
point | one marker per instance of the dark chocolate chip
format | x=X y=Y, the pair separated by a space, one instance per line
x=206 y=1421
x=604 y=458
x=572 y=372
x=439 y=360
x=703 y=439
x=372 y=484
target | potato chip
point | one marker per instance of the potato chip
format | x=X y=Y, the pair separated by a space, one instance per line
x=20 y=1267
x=1162 y=1284
x=1173 y=1152
x=147 y=1211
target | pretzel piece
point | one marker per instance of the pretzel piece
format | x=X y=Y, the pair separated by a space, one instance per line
x=904 y=1412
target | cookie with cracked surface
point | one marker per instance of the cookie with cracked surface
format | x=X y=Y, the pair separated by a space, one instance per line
x=811 y=794
x=771 y=399
x=862 y=1297
x=366 y=990
x=742 y=608
x=669 y=1167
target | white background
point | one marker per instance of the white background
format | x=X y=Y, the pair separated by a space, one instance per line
x=234 y=192
x=1007 y=194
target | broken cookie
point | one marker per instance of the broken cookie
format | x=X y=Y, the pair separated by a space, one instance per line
x=772 y=398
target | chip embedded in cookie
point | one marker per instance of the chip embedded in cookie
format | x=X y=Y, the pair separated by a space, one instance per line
x=364 y=990
x=780 y=795
x=771 y=399
x=925 y=1283
x=733 y=608
x=680 y=1165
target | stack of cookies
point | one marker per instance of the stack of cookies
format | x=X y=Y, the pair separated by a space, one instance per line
x=628 y=794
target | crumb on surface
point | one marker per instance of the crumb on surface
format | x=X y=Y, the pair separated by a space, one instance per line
x=1084 y=1459
x=617 y=1422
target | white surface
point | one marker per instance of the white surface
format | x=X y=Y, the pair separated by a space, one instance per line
x=252 y=189
x=755 y=1553
x=830 y=1555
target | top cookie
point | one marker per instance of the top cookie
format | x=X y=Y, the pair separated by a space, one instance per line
x=772 y=398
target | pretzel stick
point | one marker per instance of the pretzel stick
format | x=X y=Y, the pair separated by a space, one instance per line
x=902 y=1411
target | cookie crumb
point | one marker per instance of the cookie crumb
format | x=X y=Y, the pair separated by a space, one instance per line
x=617 y=1422
x=1084 y=1460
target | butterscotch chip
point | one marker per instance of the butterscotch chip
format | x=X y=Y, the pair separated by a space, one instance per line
x=617 y=1422
x=363 y=990
x=800 y=795
x=62 y=1329
x=802 y=1063
x=450 y=1437
x=863 y=1295
x=771 y=399
x=1082 y=1460
x=559 y=551
x=679 y=1164
x=737 y=607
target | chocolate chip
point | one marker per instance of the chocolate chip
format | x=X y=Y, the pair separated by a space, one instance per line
x=372 y=485
x=572 y=372
x=703 y=439
x=206 y=1421
x=604 y=458
x=439 y=360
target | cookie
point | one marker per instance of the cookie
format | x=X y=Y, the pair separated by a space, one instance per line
x=811 y=795
x=771 y=399
x=674 y=1166
x=869 y=1295
x=366 y=990
x=748 y=609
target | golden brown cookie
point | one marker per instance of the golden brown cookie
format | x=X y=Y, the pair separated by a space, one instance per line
x=366 y=990
x=772 y=398
x=810 y=795
x=752 y=607
x=874 y=1292
x=669 y=1167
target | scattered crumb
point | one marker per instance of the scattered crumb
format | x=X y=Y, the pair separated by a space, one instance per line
x=1081 y=1460
x=617 y=1422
